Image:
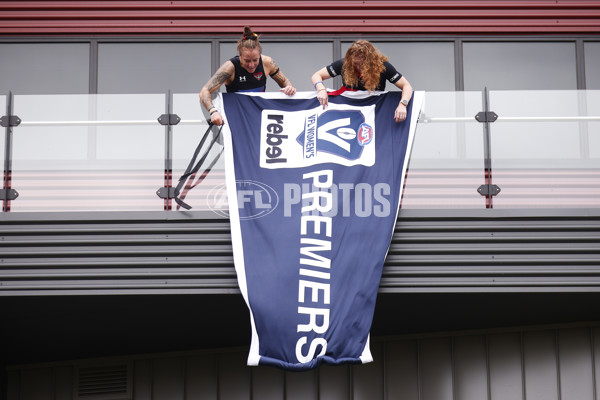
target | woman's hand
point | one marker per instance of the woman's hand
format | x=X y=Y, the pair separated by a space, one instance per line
x=216 y=118
x=400 y=113
x=289 y=90
x=317 y=81
x=323 y=98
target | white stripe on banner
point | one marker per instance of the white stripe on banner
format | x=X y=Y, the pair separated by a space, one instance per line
x=313 y=200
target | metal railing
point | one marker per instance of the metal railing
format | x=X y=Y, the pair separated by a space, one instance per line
x=426 y=172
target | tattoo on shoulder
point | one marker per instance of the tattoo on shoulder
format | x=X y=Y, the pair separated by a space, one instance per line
x=219 y=78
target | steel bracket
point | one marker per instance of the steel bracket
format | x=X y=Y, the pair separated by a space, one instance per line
x=486 y=116
x=8 y=194
x=167 y=192
x=9 y=121
x=169 y=119
x=488 y=190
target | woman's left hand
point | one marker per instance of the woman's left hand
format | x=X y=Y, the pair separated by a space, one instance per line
x=400 y=113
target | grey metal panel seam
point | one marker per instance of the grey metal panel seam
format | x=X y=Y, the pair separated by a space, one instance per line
x=163 y=253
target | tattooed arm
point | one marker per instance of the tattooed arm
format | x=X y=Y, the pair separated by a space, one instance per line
x=223 y=75
x=274 y=72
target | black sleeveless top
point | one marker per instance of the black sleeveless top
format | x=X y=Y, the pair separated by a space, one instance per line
x=244 y=81
x=389 y=74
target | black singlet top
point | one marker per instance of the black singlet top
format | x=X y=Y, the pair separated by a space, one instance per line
x=244 y=81
x=389 y=74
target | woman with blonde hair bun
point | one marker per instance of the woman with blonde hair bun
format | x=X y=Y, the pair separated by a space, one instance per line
x=364 y=67
x=246 y=72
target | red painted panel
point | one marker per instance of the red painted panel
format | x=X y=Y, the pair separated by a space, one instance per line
x=295 y=17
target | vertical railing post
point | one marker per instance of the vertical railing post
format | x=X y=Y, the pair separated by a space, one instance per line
x=487 y=150
x=488 y=189
x=167 y=192
x=8 y=121
x=169 y=154
x=7 y=156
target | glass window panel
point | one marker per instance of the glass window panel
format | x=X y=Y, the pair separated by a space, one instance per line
x=64 y=162
x=543 y=154
x=519 y=65
x=153 y=67
x=206 y=190
x=592 y=64
x=446 y=164
x=298 y=61
x=426 y=65
x=44 y=68
x=228 y=50
x=592 y=98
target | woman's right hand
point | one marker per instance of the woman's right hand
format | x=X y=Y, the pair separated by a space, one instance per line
x=216 y=119
x=323 y=98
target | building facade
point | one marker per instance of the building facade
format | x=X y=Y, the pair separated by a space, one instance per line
x=491 y=286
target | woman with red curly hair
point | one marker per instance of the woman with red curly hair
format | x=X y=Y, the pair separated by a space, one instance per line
x=364 y=68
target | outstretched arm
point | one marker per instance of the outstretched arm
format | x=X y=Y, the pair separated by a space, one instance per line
x=274 y=72
x=224 y=73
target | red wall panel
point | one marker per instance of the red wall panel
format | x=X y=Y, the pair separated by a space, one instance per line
x=300 y=17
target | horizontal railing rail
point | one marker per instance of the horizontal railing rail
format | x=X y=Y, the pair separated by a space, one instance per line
x=92 y=181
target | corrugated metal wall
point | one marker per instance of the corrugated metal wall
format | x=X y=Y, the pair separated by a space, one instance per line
x=535 y=363
x=26 y=17
x=161 y=253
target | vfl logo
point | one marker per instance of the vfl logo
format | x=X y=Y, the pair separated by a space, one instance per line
x=343 y=133
x=255 y=199
x=294 y=139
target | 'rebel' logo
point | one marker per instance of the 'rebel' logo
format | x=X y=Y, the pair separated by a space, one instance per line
x=340 y=132
x=255 y=199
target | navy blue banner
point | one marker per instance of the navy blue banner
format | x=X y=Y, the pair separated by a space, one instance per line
x=313 y=199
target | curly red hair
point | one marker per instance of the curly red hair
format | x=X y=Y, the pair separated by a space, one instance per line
x=371 y=66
